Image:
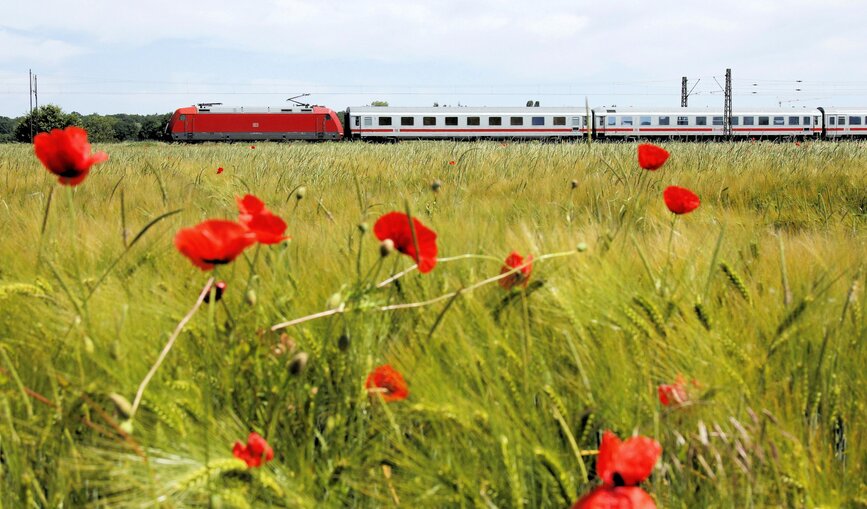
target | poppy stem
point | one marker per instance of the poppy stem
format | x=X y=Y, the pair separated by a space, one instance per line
x=252 y=268
x=668 y=261
x=409 y=305
x=42 y=230
x=144 y=383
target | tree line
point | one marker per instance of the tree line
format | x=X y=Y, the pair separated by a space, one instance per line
x=100 y=128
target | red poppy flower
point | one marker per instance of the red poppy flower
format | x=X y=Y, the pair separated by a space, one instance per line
x=395 y=226
x=624 y=497
x=673 y=394
x=219 y=170
x=452 y=163
x=522 y=276
x=389 y=382
x=626 y=463
x=651 y=157
x=66 y=153
x=797 y=143
x=252 y=146
x=680 y=200
x=267 y=227
x=214 y=242
x=256 y=452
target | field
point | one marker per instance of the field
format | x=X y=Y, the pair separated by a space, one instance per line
x=755 y=299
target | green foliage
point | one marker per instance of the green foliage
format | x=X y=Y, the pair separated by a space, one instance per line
x=508 y=390
x=379 y=103
x=45 y=118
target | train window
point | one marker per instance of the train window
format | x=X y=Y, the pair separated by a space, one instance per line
x=854 y=120
x=717 y=121
x=749 y=120
x=561 y=121
x=368 y=121
x=644 y=121
x=357 y=120
x=495 y=120
x=794 y=121
x=806 y=120
x=664 y=120
x=612 y=121
x=474 y=121
x=832 y=120
x=384 y=120
x=736 y=120
x=700 y=120
x=407 y=120
x=841 y=120
x=538 y=120
x=451 y=120
x=625 y=120
x=328 y=116
x=182 y=118
x=764 y=120
x=682 y=120
x=517 y=121
x=429 y=121
x=779 y=120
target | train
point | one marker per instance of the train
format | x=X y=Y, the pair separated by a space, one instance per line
x=214 y=122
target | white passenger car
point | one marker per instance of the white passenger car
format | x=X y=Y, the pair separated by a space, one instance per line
x=701 y=123
x=843 y=122
x=377 y=122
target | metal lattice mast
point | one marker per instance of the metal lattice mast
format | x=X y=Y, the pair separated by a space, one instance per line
x=727 y=109
x=683 y=93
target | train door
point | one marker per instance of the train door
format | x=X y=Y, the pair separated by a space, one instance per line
x=189 y=127
x=320 y=127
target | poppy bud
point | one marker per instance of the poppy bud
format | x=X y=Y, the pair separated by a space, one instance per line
x=363 y=228
x=126 y=426
x=88 y=345
x=219 y=288
x=298 y=363
x=343 y=342
x=122 y=404
x=386 y=247
x=436 y=185
x=581 y=247
x=574 y=184
x=251 y=297
x=300 y=192
x=334 y=301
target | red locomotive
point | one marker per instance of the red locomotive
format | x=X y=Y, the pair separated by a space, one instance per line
x=210 y=122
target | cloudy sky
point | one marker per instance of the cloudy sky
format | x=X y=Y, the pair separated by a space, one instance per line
x=110 y=56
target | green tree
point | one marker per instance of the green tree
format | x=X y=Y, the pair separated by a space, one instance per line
x=100 y=129
x=379 y=103
x=45 y=118
x=153 y=127
x=7 y=129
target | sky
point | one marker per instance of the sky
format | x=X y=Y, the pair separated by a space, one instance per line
x=116 y=56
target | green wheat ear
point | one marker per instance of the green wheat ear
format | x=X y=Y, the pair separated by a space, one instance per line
x=652 y=313
x=553 y=466
x=556 y=401
x=636 y=321
x=515 y=485
x=794 y=314
x=702 y=315
x=736 y=281
x=17 y=289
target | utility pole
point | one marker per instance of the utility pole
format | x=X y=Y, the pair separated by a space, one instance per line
x=30 y=96
x=36 y=91
x=683 y=93
x=727 y=109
